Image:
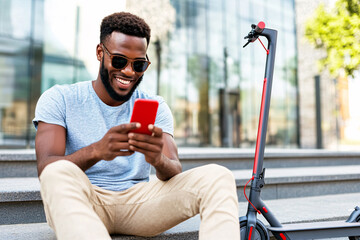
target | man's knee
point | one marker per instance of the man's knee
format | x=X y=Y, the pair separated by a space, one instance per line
x=217 y=185
x=214 y=171
x=58 y=173
x=58 y=168
x=63 y=177
x=213 y=175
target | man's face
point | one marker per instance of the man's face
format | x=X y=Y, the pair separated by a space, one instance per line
x=120 y=84
x=104 y=75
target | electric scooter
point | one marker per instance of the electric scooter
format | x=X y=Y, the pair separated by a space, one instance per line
x=250 y=227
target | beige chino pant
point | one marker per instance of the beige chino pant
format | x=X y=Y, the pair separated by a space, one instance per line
x=76 y=209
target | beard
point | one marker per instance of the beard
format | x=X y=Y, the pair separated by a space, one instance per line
x=104 y=75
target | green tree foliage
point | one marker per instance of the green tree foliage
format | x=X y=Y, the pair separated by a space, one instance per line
x=338 y=32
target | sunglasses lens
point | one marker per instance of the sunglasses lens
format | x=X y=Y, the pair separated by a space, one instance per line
x=119 y=62
x=140 y=66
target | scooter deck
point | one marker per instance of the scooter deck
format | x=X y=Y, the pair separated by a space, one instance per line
x=316 y=230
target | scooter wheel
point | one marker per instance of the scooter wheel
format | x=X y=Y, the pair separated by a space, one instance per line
x=357 y=237
x=260 y=233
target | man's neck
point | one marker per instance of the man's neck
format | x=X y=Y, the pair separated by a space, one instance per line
x=101 y=92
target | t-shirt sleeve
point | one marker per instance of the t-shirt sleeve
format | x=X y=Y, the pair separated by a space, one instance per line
x=164 y=118
x=50 y=108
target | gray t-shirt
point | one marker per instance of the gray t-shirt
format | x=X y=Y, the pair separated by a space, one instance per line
x=86 y=119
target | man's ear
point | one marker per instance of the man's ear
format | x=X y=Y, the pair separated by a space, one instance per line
x=99 y=52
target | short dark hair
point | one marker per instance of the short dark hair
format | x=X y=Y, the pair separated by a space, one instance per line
x=126 y=23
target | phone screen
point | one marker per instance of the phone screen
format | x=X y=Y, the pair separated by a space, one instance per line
x=144 y=112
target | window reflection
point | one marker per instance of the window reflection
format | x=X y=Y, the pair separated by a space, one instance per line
x=211 y=83
x=15 y=72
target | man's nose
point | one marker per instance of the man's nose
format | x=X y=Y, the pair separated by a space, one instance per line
x=128 y=70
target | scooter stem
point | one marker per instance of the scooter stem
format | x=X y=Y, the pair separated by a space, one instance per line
x=271 y=36
x=258 y=177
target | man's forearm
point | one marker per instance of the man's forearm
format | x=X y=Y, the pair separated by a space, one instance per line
x=84 y=158
x=167 y=168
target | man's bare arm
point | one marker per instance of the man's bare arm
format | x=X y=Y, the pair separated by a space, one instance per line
x=160 y=151
x=50 y=144
x=170 y=164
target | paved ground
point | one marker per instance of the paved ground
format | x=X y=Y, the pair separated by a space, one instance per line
x=308 y=209
x=286 y=210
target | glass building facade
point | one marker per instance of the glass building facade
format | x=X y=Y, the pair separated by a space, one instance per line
x=212 y=84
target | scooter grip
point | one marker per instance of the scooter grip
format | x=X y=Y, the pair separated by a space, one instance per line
x=260 y=27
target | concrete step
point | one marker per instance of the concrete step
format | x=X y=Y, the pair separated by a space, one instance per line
x=187 y=230
x=18 y=163
x=303 y=181
x=21 y=201
x=294 y=210
x=22 y=163
x=235 y=159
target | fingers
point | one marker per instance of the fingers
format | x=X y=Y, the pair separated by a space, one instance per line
x=112 y=155
x=155 y=137
x=122 y=143
x=119 y=146
x=157 y=132
x=124 y=153
x=115 y=149
x=116 y=142
x=114 y=137
x=151 y=143
x=145 y=147
x=125 y=128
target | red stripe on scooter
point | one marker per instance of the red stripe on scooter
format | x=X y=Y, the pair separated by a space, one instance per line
x=265 y=210
x=282 y=236
x=250 y=233
x=260 y=126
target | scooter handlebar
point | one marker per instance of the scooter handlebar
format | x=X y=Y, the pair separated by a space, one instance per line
x=254 y=33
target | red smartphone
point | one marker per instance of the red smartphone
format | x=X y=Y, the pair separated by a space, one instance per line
x=144 y=112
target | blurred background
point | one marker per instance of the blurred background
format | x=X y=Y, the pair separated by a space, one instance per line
x=212 y=84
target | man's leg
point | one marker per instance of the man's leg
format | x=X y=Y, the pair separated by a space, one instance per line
x=69 y=202
x=148 y=209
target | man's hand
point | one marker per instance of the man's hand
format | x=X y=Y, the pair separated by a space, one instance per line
x=115 y=142
x=159 y=149
x=150 y=146
x=50 y=145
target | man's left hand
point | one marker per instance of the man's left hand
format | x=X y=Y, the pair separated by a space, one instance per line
x=150 y=145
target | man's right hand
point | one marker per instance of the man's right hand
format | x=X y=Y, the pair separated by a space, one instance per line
x=115 y=142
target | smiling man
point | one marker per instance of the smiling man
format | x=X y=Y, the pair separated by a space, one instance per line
x=94 y=174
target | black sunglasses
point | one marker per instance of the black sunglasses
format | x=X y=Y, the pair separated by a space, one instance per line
x=120 y=62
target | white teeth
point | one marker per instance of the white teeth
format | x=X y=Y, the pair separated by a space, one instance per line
x=125 y=82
